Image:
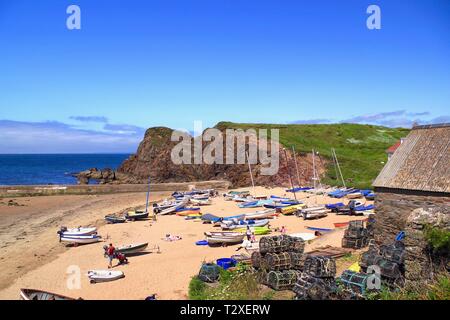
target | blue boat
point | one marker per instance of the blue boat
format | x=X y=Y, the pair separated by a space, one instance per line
x=365 y=208
x=334 y=205
x=319 y=229
x=299 y=189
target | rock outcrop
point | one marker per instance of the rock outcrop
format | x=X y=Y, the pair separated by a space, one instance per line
x=153 y=159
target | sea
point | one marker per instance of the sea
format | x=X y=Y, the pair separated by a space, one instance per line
x=48 y=169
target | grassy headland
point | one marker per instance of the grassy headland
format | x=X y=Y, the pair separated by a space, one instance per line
x=360 y=148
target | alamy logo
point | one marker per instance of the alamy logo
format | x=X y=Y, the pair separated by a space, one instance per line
x=73 y=21
x=228 y=147
x=374 y=20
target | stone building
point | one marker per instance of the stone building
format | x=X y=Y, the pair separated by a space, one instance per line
x=417 y=176
x=413 y=190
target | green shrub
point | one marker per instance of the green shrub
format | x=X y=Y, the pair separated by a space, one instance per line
x=438 y=239
x=197 y=289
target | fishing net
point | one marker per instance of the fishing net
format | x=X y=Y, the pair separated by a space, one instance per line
x=209 y=272
x=369 y=258
x=320 y=266
x=308 y=287
x=353 y=243
x=354 y=282
x=297 y=260
x=282 y=280
x=278 y=261
x=389 y=269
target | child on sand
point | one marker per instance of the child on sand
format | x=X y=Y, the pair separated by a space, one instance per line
x=283 y=229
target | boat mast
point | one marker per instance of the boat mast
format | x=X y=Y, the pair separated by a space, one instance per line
x=289 y=173
x=339 y=167
x=314 y=168
x=250 y=170
x=296 y=166
x=148 y=195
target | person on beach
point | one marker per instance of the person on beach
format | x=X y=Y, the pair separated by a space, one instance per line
x=110 y=252
x=283 y=229
x=253 y=238
x=249 y=233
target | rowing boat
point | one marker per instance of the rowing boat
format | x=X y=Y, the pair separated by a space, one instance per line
x=319 y=229
x=132 y=248
x=96 y=276
x=187 y=211
x=77 y=231
x=114 y=219
x=201 y=202
x=263 y=214
x=256 y=230
x=33 y=294
x=291 y=209
x=230 y=225
x=214 y=238
x=80 y=239
x=136 y=215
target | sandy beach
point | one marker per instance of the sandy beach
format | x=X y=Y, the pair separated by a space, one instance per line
x=32 y=257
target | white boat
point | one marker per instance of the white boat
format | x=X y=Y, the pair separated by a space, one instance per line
x=132 y=248
x=315 y=214
x=173 y=208
x=313 y=209
x=81 y=239
x=104 y=275
x=306 y=236
x=33 y=294
x=230 y=225
x=263 y=214
x=201 y=202
x=77 y=231
x=224 y=237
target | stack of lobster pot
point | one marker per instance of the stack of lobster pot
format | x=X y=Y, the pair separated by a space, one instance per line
x=370 y=226
x=388 y=260
x=317 y=279
x=356 y=236
x=279 y=261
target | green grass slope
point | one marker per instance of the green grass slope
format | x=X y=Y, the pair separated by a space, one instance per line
x=360 y=148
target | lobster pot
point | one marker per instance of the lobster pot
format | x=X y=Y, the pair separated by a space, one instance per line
x=209 y=272
x=354 y=243
x=256 y=260
x=395 y=252
x=282 y=280
x=274 y=244
x=308 y=287
x=356 y=224
x=278 y=261
x=320 y=266
x=354 y=281
x=355 y=233
x=297 y=245
x=261 y=276
x=369 y=258
x=389 y=269
x=297 y=260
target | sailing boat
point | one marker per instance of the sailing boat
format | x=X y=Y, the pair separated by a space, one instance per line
x=140 y=214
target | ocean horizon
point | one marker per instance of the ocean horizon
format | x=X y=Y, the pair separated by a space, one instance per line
x=53 y=168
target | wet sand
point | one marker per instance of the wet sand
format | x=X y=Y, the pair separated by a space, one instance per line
x=32 y=257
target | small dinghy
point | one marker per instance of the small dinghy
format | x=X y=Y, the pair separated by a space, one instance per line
x=173 y=208
x=187 y=211
x=224 y=238
x=201 y=202
x=33 y=294
x=136 y=215
x=96 y=276
x=77 y=231
x=306 y=236
x=114 y=219
x=262 y=214
x=230 y=225
x=258 y=231
x=132 y=248
x=80 y=239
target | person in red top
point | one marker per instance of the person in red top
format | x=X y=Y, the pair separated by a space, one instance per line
x=110 y=252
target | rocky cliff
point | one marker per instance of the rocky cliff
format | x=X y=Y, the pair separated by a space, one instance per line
x=153 y=159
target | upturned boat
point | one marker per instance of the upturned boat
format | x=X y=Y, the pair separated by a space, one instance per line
x=262 y=214
x=132 y=248
x=115 y=219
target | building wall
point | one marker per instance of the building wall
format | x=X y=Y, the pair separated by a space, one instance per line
x=394 y=206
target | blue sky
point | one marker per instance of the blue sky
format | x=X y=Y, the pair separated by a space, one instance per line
x=141 y=63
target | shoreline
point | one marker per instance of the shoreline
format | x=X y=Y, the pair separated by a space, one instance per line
x=146 y=274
